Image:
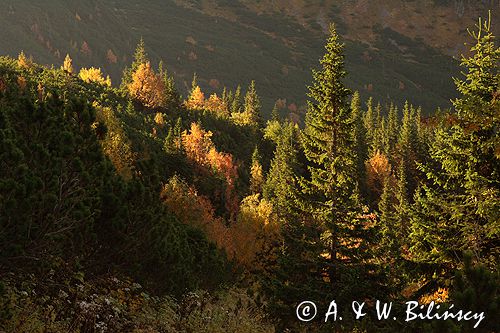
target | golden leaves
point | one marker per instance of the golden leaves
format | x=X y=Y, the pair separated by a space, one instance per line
x=200 y=149
x=147 y=87
x=23 y=61
x=94 y=75
x=439 y=296
x=67 y=65
x=378 y=169
x=197 y=101
x=21 y=83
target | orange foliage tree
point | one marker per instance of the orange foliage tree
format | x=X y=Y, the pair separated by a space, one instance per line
x=197 y=144
x=200 y=149
x=160 y=119
x=216 y=105
x=196 y=210
x=223 y=164
x=242 y=241
x=147 y=87
x=255 y=231
x=196 y=100
x=378 y=169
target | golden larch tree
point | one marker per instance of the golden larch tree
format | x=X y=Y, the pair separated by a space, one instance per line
x=200 y=149
x=378 y=169
x=67 y=65
x=196 y=100
x=216 y=105
x=160 y=119
x=197 y=144
x=23 y=61
x=93 y=74
x=147 y=87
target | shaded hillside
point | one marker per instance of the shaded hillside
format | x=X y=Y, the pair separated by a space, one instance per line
x=275 y=43
x=228 y=43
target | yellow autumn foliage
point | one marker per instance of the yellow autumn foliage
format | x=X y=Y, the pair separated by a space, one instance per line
x=23 y=61
x=378 y=169
x=147 y=87
x=160 y=119
x=254 y=231
x=196 y=100
x=256 y=178
x=67 y=65
x=93 y=74
x=116 y=145
x=439 y=296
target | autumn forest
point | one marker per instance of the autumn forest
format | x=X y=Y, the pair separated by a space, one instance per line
x=127 y=207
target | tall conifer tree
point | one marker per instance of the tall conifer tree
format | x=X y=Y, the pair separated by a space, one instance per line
x=256 y=173
x=140 y=57
x=252 y=106
x=296 y=272
x=360 y=145
x=236 y=102
x=369 y=119
x=459 y=207
x=392 y=128
x=388 y=221
x=329 y=192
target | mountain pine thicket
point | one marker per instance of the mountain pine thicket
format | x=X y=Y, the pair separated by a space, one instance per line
x=129 y=209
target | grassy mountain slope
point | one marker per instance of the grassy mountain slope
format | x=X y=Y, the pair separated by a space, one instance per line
x=273 y=42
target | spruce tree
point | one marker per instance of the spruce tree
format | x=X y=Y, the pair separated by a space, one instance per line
x=178 y=134
x=388 y=221
x=172 y=97
x=252 y=106
x=169 y=144
x=459 y=205
x=476 y=288
x=194 y=83
x=226 y=102
x=229 y=100
x=380 y=142
x=378 y=116
x=407 y=144
x=405 y=133
x=392 y=128
x=296 y=271
x=418 y=123
x=329 y=197
x=360 y=145
x=280 y=187
x=369 y=120
x=275 y=114
x=403 y=207
x=256 y=173
x=140 y=57
x=130 y=107
x=236 y=102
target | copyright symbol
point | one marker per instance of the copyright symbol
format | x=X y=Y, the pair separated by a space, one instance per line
x=306 y=311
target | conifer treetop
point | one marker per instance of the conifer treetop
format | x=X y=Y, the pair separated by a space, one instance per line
x=328 y=88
